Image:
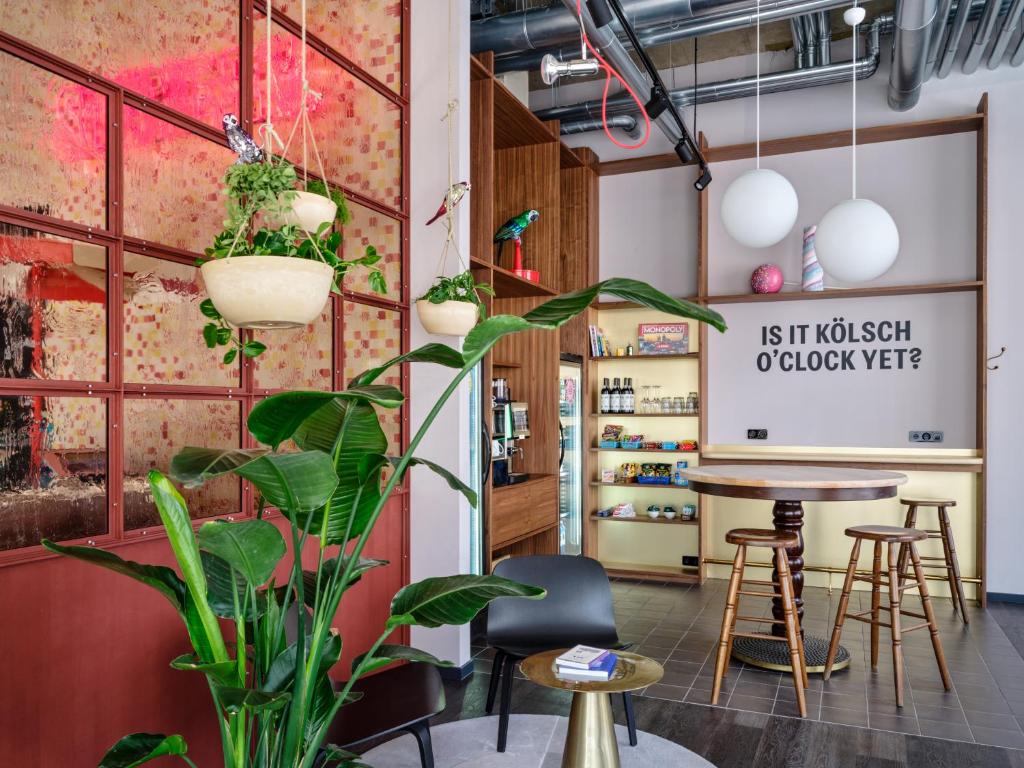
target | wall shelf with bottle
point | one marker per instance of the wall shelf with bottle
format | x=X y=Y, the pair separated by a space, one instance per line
x=658 y=378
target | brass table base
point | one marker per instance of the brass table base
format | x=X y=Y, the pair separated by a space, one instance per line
x=590 y=742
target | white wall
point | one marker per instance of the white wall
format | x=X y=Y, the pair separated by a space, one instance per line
x=439 y=532
x=669 y=251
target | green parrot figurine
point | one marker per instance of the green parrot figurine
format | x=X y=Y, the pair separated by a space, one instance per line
x=513 y=229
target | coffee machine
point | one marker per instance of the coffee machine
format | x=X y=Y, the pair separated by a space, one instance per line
x=509 y=427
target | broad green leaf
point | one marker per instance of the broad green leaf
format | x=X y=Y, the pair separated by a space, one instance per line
x=336 y=756
x=219 y=591
x=388 y=654
x=234 y=700
x=251 y=547
x=293 y=482
x=275 y=419
x=138 y=748
x=194 y=466
x=440 y=354
x=282 y=669
x=329 y=568
x=442 y=600
x=224 y=672
x=453 y=482
x=208 y=310
x=205 y=630
x=164 y=580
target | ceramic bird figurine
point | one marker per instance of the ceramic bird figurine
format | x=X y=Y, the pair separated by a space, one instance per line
x=241 y=142
x=513 y=229
x=455 y=194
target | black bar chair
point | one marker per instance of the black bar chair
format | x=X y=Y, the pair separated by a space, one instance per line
x=577 y=610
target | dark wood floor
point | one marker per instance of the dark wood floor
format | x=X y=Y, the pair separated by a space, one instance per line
x=731 y=737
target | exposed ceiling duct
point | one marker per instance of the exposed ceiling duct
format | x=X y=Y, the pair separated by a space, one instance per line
x=588 y=113
x=1011 y=22
x=914 y=20
x=982 y=36
x=627 y=123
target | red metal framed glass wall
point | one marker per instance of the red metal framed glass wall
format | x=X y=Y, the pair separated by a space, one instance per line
x=114 y=391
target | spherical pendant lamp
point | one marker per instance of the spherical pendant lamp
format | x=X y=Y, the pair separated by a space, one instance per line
x=760 y=207
x=857 y=240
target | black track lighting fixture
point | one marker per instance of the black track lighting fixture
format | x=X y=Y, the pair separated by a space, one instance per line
x=660 y=100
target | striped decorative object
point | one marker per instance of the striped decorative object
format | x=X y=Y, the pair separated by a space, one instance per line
x=813 y=274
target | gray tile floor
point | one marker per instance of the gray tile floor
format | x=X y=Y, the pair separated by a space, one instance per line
x=679 y=627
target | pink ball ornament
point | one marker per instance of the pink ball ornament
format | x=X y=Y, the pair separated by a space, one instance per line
x=766 y=279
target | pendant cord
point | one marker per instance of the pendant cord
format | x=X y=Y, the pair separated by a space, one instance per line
x=450 y=242
x=854 y=91
x=757 y=87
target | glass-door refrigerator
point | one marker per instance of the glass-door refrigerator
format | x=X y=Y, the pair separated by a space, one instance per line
x=570 y=470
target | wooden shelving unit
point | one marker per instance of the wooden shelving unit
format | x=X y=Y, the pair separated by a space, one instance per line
x=640 y=518
x=846 y=293
x=633 y=358
x=646 y=415
x=643 y=450
x=645 y=486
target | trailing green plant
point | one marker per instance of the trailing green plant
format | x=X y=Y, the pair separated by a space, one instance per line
x=268 y=188
x=273 y=696
x=461 y=287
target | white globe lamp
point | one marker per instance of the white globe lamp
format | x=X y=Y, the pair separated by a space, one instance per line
x=857 y=241
x=759 y=208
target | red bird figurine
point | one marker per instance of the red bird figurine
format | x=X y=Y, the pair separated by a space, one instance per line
x=455 y=193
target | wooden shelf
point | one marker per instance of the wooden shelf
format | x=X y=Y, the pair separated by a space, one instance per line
x=846 y=293
x=641 y=450
x=646 y=519
x=514 y=124
x=649 y=415
x=652 y=572
x=569 y=159
x=644 y=486
x=505 y=364
x=680 y=356
x=508 y=285
x=604 y=306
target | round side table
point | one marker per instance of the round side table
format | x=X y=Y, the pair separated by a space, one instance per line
x=590 y=742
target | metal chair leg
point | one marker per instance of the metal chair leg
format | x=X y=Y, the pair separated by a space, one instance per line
x=508 y=672
x=492 y=689
x=627 y=703
x=421 y=731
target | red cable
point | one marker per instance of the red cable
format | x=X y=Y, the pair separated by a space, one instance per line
x=609 y=72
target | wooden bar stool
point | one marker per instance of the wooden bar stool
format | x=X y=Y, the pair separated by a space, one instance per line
x=948 y=559
x=782 y=588
x=891 y=535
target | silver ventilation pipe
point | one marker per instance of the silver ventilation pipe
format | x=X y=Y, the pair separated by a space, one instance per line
x=1010 y=24
x=810 y=39
x=982 y=36
x=799 y=43
x=776 y=82
x=722 y=18
x=1018 y=54
x=824 y=20
x=935 y=39
x=914 y=20
x=627 y=123
x=946 y=59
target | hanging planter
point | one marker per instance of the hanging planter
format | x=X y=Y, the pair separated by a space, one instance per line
x=453 y=305
x=268 y=291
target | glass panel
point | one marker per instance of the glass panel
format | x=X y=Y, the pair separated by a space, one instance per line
x=141 y=45
x=172 y=183
x=373 y=336
x=155 y=430
x=53 y=469
x=358 y=131
x=298 y=359
x=163 y=340
x=53 y=143
x=366 y=32
x=53 y=317
x=367 y=227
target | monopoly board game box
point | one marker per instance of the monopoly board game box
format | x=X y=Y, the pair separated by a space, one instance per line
x=663 y=338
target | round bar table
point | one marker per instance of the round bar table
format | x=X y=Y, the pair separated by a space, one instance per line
x=590 y=741
x=790 y=486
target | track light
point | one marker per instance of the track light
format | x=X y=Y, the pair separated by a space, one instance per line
x=551 y=68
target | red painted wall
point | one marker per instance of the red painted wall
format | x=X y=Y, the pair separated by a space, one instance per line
x=84 y=654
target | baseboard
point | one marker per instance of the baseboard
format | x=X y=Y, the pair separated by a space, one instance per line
x=456 y=674
x=1004 y=597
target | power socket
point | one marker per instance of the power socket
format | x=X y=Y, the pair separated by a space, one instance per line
x=757 y=434
x=925 y=436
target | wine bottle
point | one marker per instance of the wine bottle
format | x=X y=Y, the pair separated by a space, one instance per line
x=627 y=405
x=616 y=397
x=606 y=398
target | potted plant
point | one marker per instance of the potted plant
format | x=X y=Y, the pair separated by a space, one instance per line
x=453 y=305
x=274 y=700
x=272 y=276
x=314 y=206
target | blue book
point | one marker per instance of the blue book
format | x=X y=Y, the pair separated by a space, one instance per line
x=603 y=671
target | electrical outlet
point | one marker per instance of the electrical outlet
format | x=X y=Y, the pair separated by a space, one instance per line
x=690 y=561
x=926 y=435
x=757 y=434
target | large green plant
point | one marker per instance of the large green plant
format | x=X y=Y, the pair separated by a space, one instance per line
x=274 y=699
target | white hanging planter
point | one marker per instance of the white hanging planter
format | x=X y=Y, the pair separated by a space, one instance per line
x=449 y=318
x=309 y=211
x=268 y=291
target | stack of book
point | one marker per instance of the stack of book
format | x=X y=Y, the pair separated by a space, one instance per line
x=584 y=663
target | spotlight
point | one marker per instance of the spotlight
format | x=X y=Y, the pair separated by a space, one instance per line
x=551 y=68
x=685 y=151
x=703 y=180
